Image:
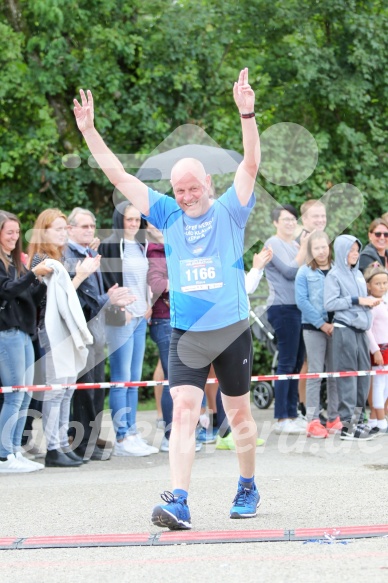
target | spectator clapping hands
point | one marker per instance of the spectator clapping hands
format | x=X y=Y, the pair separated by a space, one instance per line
x=261 y=259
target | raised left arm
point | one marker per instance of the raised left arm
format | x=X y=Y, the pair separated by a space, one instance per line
x=245 y=178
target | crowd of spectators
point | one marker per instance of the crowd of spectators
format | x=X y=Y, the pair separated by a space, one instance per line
x=72 y=300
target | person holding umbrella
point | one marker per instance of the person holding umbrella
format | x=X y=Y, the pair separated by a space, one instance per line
x=208 y=303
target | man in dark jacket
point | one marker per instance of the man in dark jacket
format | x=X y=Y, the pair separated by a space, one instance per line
x=88 y=405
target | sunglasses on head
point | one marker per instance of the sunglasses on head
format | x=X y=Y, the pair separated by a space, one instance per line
x=379 y=234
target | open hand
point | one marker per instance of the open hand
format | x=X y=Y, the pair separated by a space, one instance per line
x=369 y=301
x=88 y=266
x=261 y=259
x=120 y=296
x=243 y=94
x=84 y=114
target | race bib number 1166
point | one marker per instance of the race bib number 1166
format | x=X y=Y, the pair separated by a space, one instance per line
x=200 y=274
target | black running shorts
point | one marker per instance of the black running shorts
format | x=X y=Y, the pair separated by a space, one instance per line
x=229 y=349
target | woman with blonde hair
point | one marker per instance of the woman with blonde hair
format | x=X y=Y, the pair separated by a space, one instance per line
x=48 y=240
x=317 y=329
x=20 y=293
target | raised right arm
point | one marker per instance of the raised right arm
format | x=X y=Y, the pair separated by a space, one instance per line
x=130 y=186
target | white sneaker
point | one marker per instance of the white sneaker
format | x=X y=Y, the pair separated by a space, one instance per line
x=198 y=446
x=289 y=427
x=142 y=443
x=278 y=427
x=160 y=424
x=32 y=449
x=165 y=445
x=29 y=463
x=118 y=449
x=301 y=421
x=129 y=447
x=15 y=466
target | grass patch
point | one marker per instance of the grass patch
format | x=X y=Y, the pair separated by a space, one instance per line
x=148 y=405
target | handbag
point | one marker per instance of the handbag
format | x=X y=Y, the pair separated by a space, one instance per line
x=115 y=316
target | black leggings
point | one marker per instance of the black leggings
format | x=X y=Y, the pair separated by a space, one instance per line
x=229 y=349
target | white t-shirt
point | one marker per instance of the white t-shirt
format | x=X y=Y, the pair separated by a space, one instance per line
x=135 y=268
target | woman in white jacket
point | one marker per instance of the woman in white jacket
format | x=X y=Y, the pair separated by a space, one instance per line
x=48 y=240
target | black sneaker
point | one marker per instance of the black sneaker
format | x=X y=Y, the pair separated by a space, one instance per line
x=346 y=434
x=375 y=431
x=363 y=432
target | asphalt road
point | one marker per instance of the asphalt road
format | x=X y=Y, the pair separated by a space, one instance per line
x=304 y=483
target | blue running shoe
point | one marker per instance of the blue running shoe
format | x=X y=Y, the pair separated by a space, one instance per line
x=174 y=515
x=207 y=435
x=246 y=502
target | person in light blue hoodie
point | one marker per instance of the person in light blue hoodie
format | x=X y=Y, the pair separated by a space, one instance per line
x=345 y=294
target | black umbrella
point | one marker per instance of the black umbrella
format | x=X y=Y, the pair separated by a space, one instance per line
x=215 y=160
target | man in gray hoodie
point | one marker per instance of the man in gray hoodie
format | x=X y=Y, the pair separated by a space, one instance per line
x=345 y=294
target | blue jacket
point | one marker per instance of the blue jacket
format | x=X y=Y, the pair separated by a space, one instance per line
x=344 y=285
x=309 y=285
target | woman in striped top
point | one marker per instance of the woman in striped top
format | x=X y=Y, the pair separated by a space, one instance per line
x=124 y=261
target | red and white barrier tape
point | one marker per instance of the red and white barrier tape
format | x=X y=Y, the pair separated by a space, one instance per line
x=281 y=377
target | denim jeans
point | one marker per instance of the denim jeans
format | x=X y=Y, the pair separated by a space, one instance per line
x=16 y=368
x=35 y=408
x=286 y=321
x=126 y=346
x=160 y=332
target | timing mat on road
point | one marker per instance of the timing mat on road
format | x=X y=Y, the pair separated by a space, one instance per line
x=188 y=537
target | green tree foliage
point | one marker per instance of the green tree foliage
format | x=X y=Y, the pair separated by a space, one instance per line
x=156 y=64
x=327 y=61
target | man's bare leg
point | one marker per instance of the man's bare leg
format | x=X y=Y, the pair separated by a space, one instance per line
x=187 y=401
x=244 y=430
x=175 y=514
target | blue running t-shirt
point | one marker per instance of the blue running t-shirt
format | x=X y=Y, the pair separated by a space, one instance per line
x=204 y=260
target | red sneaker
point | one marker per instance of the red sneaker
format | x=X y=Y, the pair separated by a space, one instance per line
x=316 y=429
x=334 y=426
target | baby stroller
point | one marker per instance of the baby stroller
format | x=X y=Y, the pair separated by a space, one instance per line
x=263 y=391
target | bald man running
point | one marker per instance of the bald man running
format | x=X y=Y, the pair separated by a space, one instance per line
x=208 y=302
